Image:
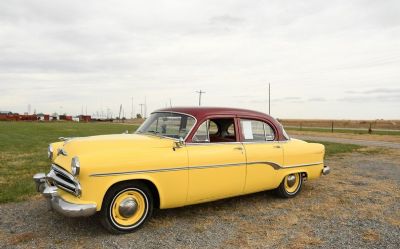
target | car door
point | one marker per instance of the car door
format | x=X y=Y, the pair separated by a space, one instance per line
x=216 y=169
x=264 y=155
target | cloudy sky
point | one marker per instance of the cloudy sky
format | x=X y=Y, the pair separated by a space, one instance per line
x=324 y=59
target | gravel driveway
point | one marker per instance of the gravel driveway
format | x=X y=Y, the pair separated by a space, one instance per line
x=356 y=206
x=386 y=144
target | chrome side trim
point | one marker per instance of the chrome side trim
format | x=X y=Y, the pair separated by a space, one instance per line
x=276 y=166
x=218 y=166
x=138 y=172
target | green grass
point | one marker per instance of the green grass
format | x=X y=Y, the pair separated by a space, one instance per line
x=339 y=130
x=23 y=151
x=338 y=148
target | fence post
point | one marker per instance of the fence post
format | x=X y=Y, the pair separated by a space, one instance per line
x=370 y=128
x=332 y=127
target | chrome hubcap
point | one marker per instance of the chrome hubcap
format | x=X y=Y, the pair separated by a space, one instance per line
x=128 y=207
x=291 y=180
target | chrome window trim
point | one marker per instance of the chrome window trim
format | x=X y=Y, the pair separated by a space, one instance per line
x=213 y=143
x=182 y=113
x=265 y=132
x=243 y=143
x=207 y=131
x=276 y=166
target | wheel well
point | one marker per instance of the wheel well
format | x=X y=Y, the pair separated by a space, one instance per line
x=149 y=184
x=304 y=175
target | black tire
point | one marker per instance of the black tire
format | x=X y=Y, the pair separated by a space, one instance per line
x=108 y=217
x=282 y=190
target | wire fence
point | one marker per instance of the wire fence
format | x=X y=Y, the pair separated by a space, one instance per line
x=354 y=126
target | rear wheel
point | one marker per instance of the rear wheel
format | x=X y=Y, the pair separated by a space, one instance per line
x=290 y=185
x=126 y=207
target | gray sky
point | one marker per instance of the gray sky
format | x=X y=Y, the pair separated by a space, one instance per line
x=324 y=59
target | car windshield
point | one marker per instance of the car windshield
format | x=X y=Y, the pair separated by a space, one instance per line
x=167 y=124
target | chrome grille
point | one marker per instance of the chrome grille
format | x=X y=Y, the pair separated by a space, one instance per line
x=63 y=179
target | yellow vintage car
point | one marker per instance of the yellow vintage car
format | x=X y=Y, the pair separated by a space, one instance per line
x=177 y=157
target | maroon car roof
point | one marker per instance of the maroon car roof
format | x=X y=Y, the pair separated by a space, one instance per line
x=200 y=112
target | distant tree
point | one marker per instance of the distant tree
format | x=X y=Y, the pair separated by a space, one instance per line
x=138 y=116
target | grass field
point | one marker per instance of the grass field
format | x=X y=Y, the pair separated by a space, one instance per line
x=336 y=148
x=23 y=151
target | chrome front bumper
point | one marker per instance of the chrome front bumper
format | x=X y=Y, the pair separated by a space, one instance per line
x=57 y=203
x=326 y=170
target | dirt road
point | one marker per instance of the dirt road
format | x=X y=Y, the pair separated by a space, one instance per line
x=356 y=206
x=386 y=144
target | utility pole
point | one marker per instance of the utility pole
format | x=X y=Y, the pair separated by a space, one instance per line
x=145 y=106
x=170 y=103
x=120 y=110
x=200 y=93
x=141 y=110
x=132 y=109
x=269 y=98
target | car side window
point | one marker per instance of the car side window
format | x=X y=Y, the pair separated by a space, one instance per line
x=269 y=132
x=231 y=129
x=212 y=128
x=201 y=135
x=254 y=130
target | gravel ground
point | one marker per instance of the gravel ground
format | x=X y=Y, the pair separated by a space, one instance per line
x=356 y=206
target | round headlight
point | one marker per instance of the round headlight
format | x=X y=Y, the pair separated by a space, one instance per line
x=75 y=166
x=50 y=151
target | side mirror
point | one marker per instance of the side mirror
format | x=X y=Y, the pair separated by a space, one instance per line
x=180 y=143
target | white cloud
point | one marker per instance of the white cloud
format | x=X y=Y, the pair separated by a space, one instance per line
x=100 y=53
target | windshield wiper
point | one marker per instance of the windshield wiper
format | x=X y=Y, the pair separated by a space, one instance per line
x=154 y=132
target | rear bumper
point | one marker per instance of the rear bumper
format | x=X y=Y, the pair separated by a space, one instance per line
x=326 y=170
x=57 y=203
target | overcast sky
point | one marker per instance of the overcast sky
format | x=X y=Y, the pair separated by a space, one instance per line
x=324 y=59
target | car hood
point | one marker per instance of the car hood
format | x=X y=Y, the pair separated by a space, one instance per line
x=83 y=145
x=115 y=145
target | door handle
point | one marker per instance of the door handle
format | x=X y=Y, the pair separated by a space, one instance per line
x=238 y=148
x=277 y=146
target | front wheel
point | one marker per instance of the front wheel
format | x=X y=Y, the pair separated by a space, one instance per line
x=126 y=207
x=290 y=185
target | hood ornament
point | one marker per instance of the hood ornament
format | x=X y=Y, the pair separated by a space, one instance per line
x=62 y=152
